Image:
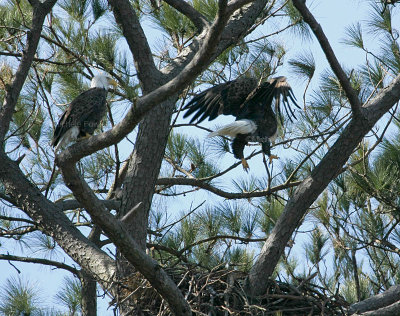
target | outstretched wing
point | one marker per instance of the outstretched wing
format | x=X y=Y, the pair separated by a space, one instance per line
x=226 y=98
x=84 y=109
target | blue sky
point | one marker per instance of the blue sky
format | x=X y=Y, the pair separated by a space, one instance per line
x=333 y=16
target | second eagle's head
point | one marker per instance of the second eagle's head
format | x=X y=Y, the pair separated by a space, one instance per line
x=102 y=81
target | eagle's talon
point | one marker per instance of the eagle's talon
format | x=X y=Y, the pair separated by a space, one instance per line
x=245 y=165
x=86 y=135
x=272 y=157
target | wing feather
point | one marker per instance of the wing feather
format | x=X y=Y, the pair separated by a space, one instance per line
x=226 y=98
x=243 y=98
x=284 y=91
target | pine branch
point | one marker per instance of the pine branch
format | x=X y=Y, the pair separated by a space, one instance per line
x=54 y=222
x=188 y=66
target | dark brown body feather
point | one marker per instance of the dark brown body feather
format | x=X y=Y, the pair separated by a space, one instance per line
x=85 y=112
x=246 y=99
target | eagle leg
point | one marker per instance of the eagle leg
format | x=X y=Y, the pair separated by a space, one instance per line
x=266 y=148
x=238 y=144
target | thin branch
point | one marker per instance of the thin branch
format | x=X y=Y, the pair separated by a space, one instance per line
x=46 y=262
x=16 y=219
x=40 y=60
x=217 y=237
x=228 y=195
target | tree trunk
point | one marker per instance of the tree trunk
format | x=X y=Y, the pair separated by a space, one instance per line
x=89 y=295
x=144 y=168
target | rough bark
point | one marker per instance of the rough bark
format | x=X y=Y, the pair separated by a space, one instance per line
x=144 y=168
x=89 y=295
x=378 y=302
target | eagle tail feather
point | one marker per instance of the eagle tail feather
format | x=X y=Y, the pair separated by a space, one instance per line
x=238 y=127
x=68 y=137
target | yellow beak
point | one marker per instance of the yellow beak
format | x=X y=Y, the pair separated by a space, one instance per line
x=113 y=83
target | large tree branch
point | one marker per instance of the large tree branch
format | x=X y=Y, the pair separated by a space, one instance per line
x=55 y=223
x=122 y=239
x=308 y=191
x=376 y=303
x=330 y=56
x=40 y=10
x=73 y=204
x=195 y=16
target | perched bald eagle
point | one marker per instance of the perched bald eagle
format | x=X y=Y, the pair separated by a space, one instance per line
x=83 y=114
x=251 y=103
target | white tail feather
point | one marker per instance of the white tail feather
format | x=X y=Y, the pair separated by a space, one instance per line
x=68 y=137
x=235 y=128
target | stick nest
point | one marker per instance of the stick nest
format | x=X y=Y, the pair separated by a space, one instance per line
x=223 y=292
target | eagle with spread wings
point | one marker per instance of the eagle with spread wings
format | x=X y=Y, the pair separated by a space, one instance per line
x=251 y=103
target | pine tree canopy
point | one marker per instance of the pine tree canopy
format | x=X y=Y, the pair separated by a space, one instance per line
x=116 y=200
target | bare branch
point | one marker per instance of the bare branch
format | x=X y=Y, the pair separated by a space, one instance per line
x=228 y=195
x=46 y=262
x=330 y=56
x=17 y=219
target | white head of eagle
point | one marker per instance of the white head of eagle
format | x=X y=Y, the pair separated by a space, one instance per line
x=84 y=113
